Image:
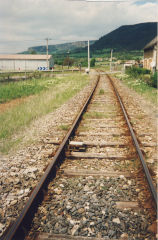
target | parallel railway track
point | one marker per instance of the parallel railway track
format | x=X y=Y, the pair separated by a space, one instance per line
x=102 y=187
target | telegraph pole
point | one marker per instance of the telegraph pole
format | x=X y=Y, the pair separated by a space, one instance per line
x=88 y=57
x=111 y=61
x=47 y=51
x=68 y=58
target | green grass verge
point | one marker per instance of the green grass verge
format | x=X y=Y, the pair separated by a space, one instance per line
x=55 y=92
x=142 y=88
x=18 y=89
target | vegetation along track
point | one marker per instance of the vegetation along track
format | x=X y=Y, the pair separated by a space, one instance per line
x=100 y=190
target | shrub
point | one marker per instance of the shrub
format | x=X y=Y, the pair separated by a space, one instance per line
x=143 y=74
x=136 y=71
x=154 y=79
x=92 y=63
x=84 y=63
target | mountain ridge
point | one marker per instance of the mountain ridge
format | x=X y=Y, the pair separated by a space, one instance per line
x=124 y=38
x=127 y=37
x=60 y=48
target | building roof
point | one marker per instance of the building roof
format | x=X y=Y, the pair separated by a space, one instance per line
x=24 y=56
x=152 y=43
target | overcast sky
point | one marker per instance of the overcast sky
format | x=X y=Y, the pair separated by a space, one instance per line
x=25 y=23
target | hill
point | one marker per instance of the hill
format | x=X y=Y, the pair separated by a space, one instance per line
x=60 y=48
x=128 y=37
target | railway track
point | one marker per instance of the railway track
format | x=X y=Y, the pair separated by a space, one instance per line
x=102 y=189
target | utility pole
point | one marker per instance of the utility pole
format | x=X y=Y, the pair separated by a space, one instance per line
x=25 y=69
x=111 y=61
x=47 y=51
x=68 y=58
x=88 y=57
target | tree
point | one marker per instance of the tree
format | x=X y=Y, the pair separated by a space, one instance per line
x=68 y=61
x=32 y=51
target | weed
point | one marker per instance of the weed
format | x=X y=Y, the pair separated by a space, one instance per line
x=64 y=127
x=116 y=137
x=94 y=115
x=101 y=92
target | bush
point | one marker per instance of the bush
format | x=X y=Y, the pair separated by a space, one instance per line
x=143 y=74
x=154 y=79
x=136 y=71
x=92 y=63
x=84 y=63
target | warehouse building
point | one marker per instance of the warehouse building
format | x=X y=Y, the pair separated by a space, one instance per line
x=150 y=55
x=25 y=62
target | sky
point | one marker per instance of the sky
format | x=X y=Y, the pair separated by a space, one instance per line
x=26 y=23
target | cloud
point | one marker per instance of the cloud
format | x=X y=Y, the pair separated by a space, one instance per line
x=25 y=23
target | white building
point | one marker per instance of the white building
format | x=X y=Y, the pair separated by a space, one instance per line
x=22 y=62
x=151 y=55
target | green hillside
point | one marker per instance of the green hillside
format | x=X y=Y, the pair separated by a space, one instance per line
x=128 y=37
x=127 y=42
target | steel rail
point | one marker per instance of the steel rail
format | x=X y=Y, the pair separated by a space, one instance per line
x=139 y=152
x=16 y=231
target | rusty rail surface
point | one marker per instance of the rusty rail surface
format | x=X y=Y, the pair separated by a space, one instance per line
x=18 y=230
x=139 y=152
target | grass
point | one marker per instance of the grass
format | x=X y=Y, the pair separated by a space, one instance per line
x=13 y=90
x=142 y=88
x=55 y=92
x=19 y=89
x=64 y=127
x=101 y=92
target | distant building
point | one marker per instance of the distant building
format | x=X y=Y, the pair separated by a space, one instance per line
x=22 y=62
x=133 y=62
x=150 y=55
x=99 y=59
x=128 y=64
